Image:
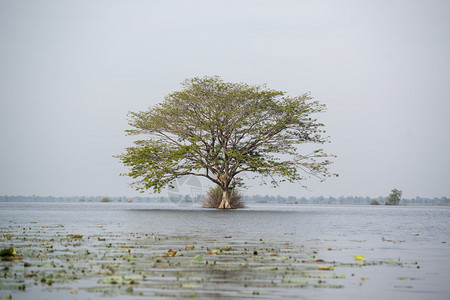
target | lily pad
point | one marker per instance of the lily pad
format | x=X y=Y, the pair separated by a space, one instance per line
x=359 y=257
x=325 y=268
x=171 y=252
x=8 y=252
x=76 y=236
x=197 y=258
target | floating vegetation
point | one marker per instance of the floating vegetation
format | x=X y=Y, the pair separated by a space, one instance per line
x=359 y=257
x=155 y=264
x=325 y=268
x=10 y=254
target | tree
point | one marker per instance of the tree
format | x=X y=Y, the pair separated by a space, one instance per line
x=221 y=130
x=394 y=197
x=105 y=199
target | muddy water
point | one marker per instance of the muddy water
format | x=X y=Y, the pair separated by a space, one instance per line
x=121 y=250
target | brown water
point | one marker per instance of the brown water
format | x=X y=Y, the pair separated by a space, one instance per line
x=406 y=250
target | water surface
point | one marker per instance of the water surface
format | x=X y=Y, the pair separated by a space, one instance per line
x=414 y=240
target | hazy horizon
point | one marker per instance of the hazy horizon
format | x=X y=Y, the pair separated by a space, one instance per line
x=72 y=70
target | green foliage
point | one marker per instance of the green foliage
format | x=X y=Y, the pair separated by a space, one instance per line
x=394 y=197
x=220 y=130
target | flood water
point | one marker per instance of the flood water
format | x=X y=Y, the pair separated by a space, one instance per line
x=414 y=240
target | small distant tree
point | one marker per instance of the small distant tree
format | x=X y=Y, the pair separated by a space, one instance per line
x=105 y=199
x=374 y=202
x=394 y=197
x=220 y=130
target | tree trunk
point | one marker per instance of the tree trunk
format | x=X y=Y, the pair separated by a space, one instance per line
x=225 y=204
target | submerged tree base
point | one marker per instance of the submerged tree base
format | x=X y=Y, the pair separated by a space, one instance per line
x=215 y=199
x=224 y=205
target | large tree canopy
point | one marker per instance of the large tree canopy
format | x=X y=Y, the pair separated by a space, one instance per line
x=219 y=130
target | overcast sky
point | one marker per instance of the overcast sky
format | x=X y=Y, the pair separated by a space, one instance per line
x=71 y=70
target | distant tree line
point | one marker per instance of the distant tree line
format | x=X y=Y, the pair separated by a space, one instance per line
x=348 y=200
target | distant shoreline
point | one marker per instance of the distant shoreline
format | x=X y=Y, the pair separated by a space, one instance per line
x=255 y=199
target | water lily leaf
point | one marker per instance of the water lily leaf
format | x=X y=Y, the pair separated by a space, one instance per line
x=359 y=257
x=76 y=236
x=8 y=252
x=325 y=268
x=197 y=258
x=112 y=279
